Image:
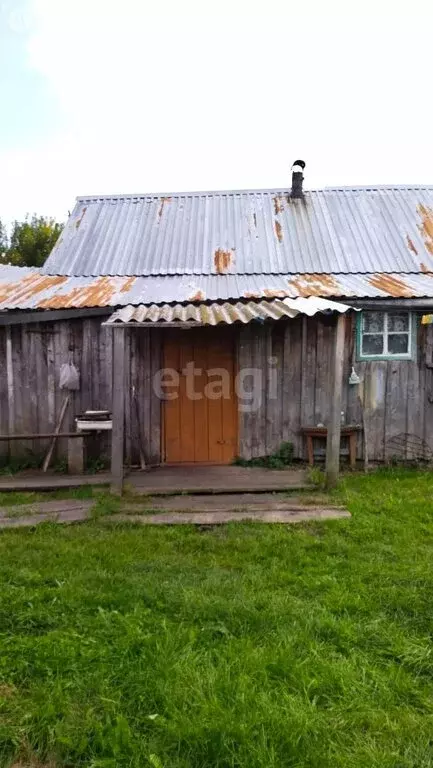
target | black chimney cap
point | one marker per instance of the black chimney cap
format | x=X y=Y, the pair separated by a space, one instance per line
x=297 y=180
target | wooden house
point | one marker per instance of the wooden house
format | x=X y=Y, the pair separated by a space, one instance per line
x=151 y=296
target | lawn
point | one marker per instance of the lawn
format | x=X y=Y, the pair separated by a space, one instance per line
x=245 y=646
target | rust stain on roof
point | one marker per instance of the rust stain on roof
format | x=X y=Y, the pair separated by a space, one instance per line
x=251 y=295
x=426 y=226
x=164 y=200
x=278 y=204
x=315 y=285
x=278 y=230
x=275 y=293
x=222 y=260
x=24 y=290
x=411 y=245
x=199 y=296
x=394 y=286
x=423 y=268
x=99 y=293
x=80 y=219
x=129 y=282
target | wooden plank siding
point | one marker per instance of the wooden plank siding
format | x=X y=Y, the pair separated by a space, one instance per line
x=31 y=356
x=396 y=395
x=292 y=359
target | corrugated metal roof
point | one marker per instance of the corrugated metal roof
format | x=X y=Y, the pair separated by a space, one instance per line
x=22 y=288
x=213 y=314
x=343 y=230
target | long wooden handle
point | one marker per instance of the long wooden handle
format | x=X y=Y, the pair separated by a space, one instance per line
x=47 y=459
x=140 y=445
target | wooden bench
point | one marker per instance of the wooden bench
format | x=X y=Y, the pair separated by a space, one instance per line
x=75 y=446
x=350 y=431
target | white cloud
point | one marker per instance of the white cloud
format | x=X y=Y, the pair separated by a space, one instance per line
x=202 y=95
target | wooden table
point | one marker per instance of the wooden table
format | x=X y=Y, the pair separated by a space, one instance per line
x=350 y=431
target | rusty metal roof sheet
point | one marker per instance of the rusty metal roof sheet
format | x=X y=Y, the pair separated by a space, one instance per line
x=23 y=288
x=229 y=313
x=347 y=230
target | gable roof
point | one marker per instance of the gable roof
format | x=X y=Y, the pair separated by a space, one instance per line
x=339 y=231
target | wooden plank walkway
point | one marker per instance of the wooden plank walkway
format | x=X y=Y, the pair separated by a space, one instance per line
x=57 y=511
x=50 y=482
x=215 y=479
x=223 y=501
x=220 y=518
x=170 y=480
x=176 y=510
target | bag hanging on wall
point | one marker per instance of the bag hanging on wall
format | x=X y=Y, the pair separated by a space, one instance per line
x=69 y=377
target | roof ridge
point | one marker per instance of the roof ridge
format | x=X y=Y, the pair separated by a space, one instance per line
x=265 y=191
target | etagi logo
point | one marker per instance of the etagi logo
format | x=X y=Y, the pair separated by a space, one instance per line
x=250 y=385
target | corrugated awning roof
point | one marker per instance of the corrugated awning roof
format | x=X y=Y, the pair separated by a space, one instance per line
x=24 y=288
x=360 y=230
x=229 y=313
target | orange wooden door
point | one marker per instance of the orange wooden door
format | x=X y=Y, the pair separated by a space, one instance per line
x=200 y=421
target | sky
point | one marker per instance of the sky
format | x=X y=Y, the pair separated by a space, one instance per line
x=102 y=96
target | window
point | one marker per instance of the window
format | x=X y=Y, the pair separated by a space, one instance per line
x=385 y=335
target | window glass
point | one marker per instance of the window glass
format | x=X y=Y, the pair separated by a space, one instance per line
x=373 y=322
x=398 y=321
x=372 y=344
x=398 y=343
x=386 y=334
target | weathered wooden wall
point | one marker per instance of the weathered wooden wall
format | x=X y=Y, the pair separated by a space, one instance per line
x=30 y=397
x=143 y=351
x=397 y=396
x=300 y=353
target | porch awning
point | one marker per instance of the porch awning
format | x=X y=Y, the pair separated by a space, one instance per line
x=227 y=312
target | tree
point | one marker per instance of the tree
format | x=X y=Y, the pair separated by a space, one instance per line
x=31 y=241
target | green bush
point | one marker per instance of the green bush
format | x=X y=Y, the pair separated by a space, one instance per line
x=281 y=459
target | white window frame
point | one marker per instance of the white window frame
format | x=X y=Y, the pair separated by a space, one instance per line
x=386 y=355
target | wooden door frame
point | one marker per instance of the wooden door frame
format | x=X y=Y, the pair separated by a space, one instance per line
x=236 y=339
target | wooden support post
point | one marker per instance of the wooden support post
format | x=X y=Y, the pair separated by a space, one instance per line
x=334 y=426
x=117 y=436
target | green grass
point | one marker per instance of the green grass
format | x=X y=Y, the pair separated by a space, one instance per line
x=12 y=498
x=246 y=646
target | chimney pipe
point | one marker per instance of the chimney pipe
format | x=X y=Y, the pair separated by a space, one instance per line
x=297 y=179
